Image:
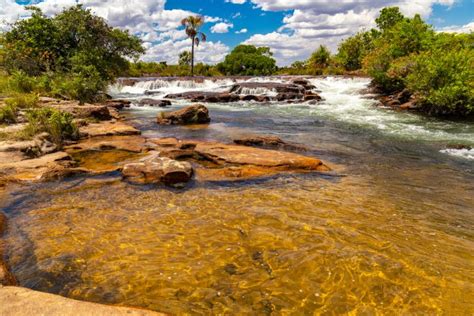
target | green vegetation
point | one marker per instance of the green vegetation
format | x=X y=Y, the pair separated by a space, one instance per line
x=406 y=54
x=73 y=55
x=192 y=25
x=59 y=125
x=248 y=60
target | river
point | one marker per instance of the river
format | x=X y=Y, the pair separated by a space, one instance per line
x=389 y=232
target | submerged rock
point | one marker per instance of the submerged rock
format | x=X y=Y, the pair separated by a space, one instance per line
x=194 y=114
x=6 y=278
x=267 y=141
x=156 y=169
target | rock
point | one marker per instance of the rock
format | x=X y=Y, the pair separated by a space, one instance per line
x=229 y=162
x=154 y=102
x=155 y=169
x=131 y=143
x=307 y=85
x=99 y=112
x=289 y=96
x=458 y=146
x=401 y=101
x=267 y=141
x=118 y=104
x=108 y=128
x=210 y=97
x=194 y=114
x=25 y=302
x=284 y=88
x=312 y=96
x=43 y=168
x=40 y=145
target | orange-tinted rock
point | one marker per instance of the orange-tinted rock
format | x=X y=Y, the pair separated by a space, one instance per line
x=267 y=141
x=108 y=128
x=155 y=169
x=194 y=114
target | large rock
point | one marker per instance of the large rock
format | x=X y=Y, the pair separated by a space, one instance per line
x=194 y=114
x=25 y=302
x=108 y=128
x=39 y=145
x=228 y=162
x=133 y=143
x=155 y=169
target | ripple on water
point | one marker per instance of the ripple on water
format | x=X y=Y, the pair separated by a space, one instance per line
x=294 y=246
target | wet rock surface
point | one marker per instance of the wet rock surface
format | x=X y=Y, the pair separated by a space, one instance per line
x=6 y=277
x=108 y=128
x=154 y=102
x=268 y=142
x=194 y=114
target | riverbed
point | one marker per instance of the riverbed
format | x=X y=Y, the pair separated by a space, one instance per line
x=390 y=231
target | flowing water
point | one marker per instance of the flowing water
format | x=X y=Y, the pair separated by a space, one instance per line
x=391 y=232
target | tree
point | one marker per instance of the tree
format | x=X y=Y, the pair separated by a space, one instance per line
x=248 y=60
x=192 y=25
x=353 y=50
x=321 y=57
x=80 y=50
x=388 y=18
x=185 y=58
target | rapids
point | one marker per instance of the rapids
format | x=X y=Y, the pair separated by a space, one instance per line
x=390 y=233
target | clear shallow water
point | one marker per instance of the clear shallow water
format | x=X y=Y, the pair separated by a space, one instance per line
x=393 y=235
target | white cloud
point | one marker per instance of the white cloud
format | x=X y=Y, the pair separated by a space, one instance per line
x=236 y=1
x=326 y=22
x=458 y=28
x=221 y=27
x=157 y=27
x=242 y=31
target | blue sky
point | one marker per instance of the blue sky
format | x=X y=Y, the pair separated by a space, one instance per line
x=291 y=28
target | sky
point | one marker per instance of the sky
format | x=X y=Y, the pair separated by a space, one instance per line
x=293 y=29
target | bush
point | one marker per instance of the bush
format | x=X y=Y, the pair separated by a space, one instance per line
x=58 y=124
x=19 y=81
x=8 y=114
x=443 y=80
x=23 y=101
x=248 y=60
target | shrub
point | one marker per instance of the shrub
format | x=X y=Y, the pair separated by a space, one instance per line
x=23 y=101
x=19 y=81
x=443 y=80
x=58 y=124
x=8 y=114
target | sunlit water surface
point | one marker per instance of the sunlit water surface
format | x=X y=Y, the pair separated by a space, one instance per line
x=390 y=233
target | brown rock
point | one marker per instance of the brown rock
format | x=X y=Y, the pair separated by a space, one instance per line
x=108 y=128
x=313 y=96
x=25 y=302
x=132 y=143
x=194 y=114
x=156 y=169
x=210 y=97
x=284 y=88
x=155 y=102
x=267 y=141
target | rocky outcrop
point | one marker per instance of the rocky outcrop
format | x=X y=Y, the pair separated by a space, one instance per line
x=19 y=150
x=154 y=102
x=25 y=302
x=219 y=161
x=133 y=143
x=194 y=114
x=267 y=142
x=209 y=97
x=282 y=88
x=402 y=100
x=155 y=169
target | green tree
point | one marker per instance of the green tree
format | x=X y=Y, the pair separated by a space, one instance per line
x=388 y=18
x=192 y=26
x=248 y=60
x=75 y=46
x=321 y=57
x=353 y=50
x=185 y=58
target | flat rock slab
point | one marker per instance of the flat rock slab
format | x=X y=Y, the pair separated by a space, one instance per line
x=24 y=302
x=132 y=143
x=108 y=128
x=194 y=114
x=219 y=161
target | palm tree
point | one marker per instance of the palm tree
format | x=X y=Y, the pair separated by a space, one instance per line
x=192 y=25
